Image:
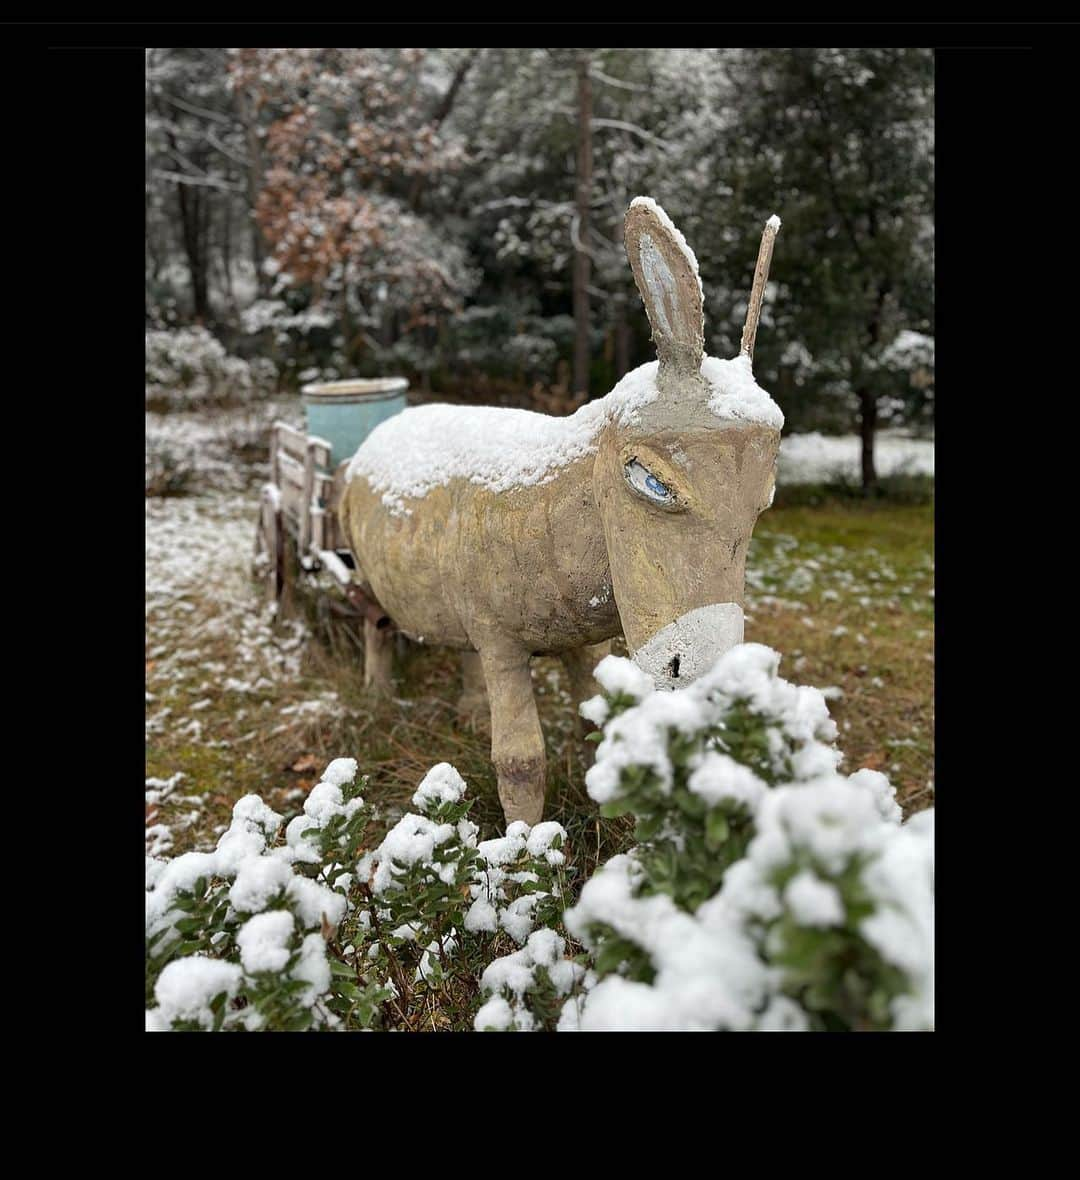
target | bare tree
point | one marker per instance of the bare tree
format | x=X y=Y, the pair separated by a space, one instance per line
x=253 y=179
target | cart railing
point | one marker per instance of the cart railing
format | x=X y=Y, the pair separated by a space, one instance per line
x=298 y=508
x=299 y=466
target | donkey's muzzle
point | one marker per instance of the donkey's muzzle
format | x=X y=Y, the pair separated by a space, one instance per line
x=683 y=650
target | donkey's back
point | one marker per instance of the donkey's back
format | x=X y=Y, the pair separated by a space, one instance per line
x=468 y=520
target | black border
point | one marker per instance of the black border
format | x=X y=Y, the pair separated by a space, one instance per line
x=84 y=145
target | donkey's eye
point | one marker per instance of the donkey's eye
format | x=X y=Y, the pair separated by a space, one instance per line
x=642 y=480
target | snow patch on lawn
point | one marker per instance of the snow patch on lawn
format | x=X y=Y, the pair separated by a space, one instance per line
x=820 y=458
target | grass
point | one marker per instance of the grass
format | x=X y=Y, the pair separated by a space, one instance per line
x=395 y=740
x=864 y=573
x=842 y=588
x=896 y=489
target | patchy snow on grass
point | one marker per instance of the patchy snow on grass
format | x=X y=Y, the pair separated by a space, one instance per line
x=211 y=643
x=782 y=572
x=820 y=458
x=198 y=556
x=223 y=451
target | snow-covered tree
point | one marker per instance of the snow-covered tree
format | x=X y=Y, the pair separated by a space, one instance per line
x=436 y=212
x=197 y=236
x=841 y=142
x=351 y=135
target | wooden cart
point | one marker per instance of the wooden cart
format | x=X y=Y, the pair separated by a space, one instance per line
x=298 y=535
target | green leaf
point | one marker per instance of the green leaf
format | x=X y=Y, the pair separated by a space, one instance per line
x=648 y=825
x=611 y=955
x=717 y=829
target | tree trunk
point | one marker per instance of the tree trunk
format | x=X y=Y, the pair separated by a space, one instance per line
x=867 y=426
x=152 y=242
x=190 y=200
x=205 y=209
x=226 y=253
x=253 y=179
x=867 y=397
x=191 y=216
x=581 y=259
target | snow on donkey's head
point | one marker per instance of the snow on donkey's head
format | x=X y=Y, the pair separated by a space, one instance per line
x=681 y=482
x=512 y=533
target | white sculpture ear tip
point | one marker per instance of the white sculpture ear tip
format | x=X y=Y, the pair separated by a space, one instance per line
x=650 y=208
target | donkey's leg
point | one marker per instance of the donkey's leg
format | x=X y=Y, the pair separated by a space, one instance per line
x=579 y=665
x=378 y=659
x=517 y=742
x=473 y=702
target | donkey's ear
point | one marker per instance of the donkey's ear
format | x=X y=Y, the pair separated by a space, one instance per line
x=666 y=274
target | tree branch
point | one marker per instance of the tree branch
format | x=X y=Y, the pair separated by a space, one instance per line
x=599 y=74
x=441 y=111
x=203 y=181
x=575 y=238
x=620 y=125
x=214 y=142
x=191 y=108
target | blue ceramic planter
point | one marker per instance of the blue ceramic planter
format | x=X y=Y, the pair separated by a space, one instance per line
x=346 y=412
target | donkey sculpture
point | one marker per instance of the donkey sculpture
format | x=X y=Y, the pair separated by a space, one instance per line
x=510 y=534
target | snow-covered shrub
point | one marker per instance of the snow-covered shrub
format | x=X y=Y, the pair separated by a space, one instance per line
x=839 y=900
x=275 y=315
x=509 y=339
x=438 y=898
x=911 y=353
x=534 y=355
x=237 y=937
x=189 y=366
x=768 y=892
x=528 y=986
x=224 y=451
x=693 y=766
x=169 y=472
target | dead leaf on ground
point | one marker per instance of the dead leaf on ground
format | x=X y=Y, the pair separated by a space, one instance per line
x=305 y=763
x=873 y=761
